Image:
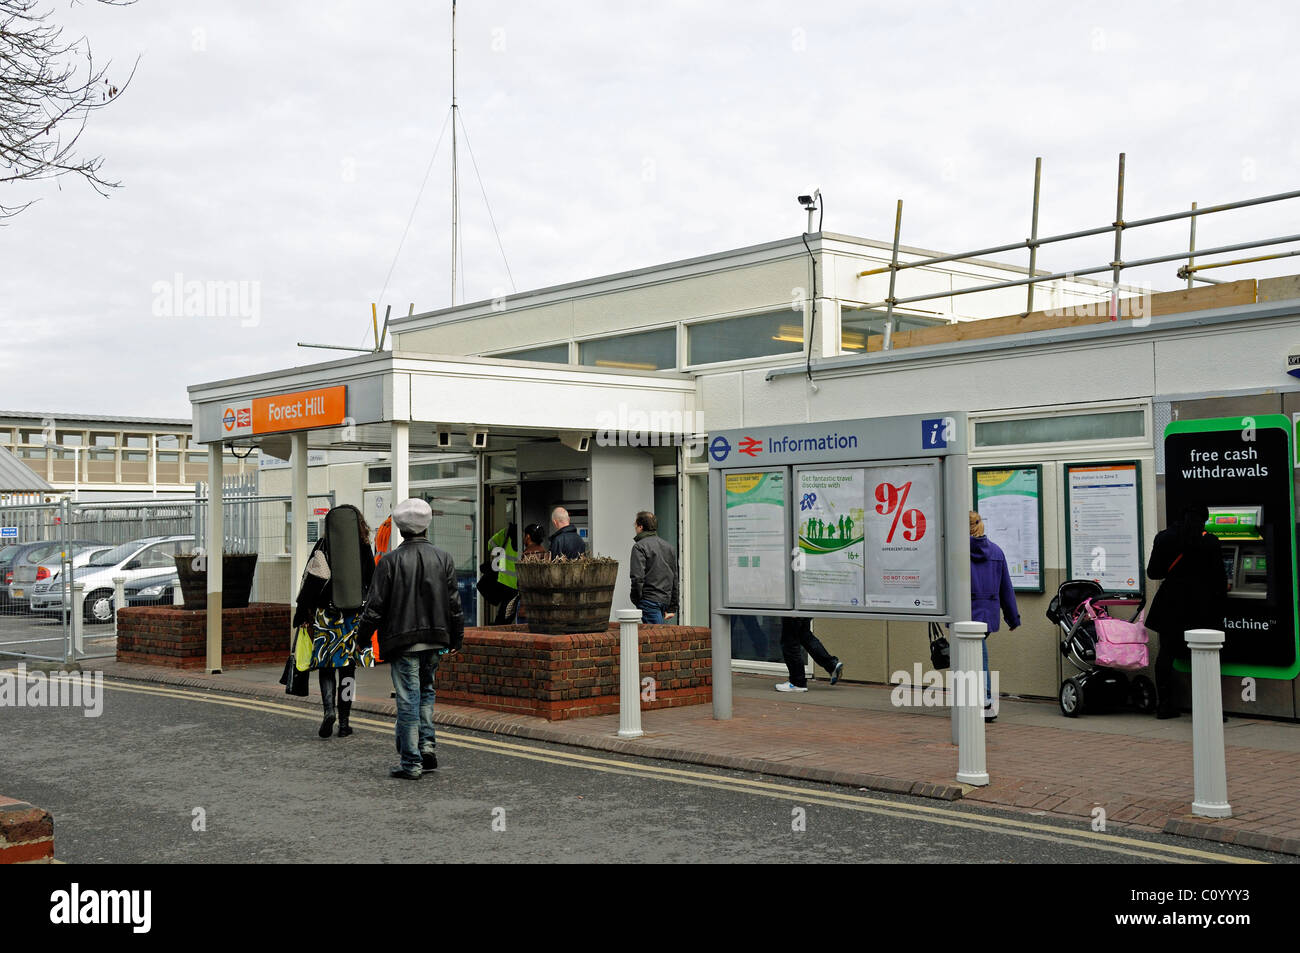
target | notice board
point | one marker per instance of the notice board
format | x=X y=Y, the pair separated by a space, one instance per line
x=1103 y=525
x=1010 y=500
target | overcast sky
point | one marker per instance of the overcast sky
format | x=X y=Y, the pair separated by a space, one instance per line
x=282 y=144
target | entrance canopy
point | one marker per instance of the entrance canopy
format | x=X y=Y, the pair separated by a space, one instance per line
x=396 y=403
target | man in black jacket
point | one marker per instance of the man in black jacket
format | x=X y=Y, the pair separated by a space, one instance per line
x=565 y=540
x=415 y=604
x=653 y=572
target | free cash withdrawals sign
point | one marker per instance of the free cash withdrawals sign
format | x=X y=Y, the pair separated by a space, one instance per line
x=863 y=522
x=1010 y=501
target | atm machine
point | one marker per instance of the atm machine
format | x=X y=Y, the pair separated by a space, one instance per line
x=1240 y=530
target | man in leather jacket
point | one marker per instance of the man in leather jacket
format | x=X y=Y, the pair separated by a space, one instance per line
x=415 y=604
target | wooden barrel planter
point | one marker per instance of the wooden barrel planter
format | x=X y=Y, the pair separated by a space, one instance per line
x=236 y=580
x=566 y=596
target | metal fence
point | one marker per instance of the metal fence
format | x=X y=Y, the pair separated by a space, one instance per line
x=44 y=547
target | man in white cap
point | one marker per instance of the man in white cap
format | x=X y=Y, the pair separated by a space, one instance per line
x=414 y=603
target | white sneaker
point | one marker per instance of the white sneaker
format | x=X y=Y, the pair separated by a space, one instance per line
x=790 y=687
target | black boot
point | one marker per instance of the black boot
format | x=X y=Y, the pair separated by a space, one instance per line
x=345 y=709
x=327 y=688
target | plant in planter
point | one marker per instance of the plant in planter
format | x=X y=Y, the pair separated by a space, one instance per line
x=565 y=596
x=236 y=578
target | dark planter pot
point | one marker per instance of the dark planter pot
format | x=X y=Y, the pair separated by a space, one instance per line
x=236 y=580
x=566 y=597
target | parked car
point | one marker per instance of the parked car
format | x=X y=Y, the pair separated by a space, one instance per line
x=133 y=560
x=28 y=574
x=153 y=590
x=30 y=554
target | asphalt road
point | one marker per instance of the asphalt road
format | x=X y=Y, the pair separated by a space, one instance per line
x=131 y=786
x=40 y=634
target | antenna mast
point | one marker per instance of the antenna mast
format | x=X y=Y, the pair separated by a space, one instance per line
x=455 y=186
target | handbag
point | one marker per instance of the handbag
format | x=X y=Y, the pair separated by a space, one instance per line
x=939 y=657
x=294 y=681
x=1120 y=645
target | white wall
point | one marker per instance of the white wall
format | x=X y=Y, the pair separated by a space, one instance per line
x=622 y=484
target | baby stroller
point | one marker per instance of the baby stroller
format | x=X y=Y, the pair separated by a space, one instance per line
x=1076 y=608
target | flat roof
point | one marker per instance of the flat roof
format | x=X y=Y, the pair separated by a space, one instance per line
x=64 y=416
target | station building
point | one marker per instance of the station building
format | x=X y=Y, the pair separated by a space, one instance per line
x=600 y=395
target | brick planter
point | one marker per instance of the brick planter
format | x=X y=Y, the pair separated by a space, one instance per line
x=557 y=677
x=26 y=833
x=177 y=638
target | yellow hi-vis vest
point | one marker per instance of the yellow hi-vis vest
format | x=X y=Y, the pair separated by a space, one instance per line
x=506 y=574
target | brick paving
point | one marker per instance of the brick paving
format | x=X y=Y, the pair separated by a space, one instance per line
x=1064 y=767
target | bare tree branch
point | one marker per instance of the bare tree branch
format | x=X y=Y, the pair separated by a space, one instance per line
x=48 y=89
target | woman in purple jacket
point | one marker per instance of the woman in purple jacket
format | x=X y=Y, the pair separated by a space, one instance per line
x=990 y=589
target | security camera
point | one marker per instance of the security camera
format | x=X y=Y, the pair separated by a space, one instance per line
x=580 y=442
x=478 y=439
x=444 y=439
x=805 y=200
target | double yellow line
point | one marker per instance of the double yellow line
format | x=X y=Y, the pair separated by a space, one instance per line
x=947 y=816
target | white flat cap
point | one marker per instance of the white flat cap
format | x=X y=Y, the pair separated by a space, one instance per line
x=412 y=516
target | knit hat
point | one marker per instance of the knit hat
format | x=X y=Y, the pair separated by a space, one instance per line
x=976 y=524
x=412 y=516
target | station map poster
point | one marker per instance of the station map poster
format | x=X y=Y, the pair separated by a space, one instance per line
x=1011 y=504
x=831 y=507
x=1104 y=525
x=902 y=533
x=756 y=539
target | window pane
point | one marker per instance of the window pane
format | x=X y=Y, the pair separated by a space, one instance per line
x=104 y=440
x=1102 y=426
x=550 y=354
x=647 y=351
x=502 y=467
x=857 y=326
x=757 y=335
x=137 y=440
x=379 y=475
x=70 y=438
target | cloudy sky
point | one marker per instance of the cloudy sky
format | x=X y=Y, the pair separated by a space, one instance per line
x=282 y=145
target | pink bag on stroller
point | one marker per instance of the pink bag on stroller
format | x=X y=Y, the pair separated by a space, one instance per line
x=1121 y=645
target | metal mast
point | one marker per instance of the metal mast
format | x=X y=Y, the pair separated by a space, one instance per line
x=455 y=185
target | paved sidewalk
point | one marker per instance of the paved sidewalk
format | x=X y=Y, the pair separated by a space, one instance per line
x=1138 y=769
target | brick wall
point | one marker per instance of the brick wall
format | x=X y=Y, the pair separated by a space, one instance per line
x=506 y=668
x=177 y=638
x=26 y=833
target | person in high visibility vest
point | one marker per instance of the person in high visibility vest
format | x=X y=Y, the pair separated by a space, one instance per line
x=502 y=556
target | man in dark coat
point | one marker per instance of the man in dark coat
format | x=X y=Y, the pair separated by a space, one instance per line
x=565 y=540
x=415 y=604
x=654 y=571
x=1190 y=561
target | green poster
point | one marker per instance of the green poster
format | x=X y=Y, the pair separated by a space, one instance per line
x=1010 y=503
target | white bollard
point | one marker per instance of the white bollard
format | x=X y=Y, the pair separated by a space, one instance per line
x=119 y=597
x=629 y=674
x=77 y=618
x=967 y=672
x=178 y=597
x=1209 y=766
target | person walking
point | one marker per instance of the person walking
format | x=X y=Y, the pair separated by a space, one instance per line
x=990 y=589
x=329 y=601
x=415 y=605
x=654 y=571
x=1190 y=561
x=565 y=540
x=796 y=636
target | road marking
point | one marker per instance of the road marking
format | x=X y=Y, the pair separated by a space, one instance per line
x=951 y=817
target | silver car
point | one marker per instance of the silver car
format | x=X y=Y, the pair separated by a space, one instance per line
x=26 y=575
x=141 y=557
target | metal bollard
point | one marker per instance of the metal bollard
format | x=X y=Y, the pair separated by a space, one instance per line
x=629 y=674
x=1209 y=766
x=968 y=689
x=77 y=618
x=119 y=598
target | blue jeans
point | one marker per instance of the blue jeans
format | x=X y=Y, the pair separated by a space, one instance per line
x=652 y=613
x=413 y=683
x=988 y=693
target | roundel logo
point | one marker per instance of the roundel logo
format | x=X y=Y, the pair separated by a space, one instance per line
x=719 y=448
x=228 y=418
